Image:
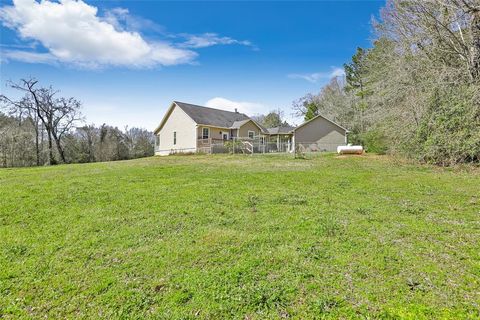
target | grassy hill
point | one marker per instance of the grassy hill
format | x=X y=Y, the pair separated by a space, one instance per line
x=240 y=237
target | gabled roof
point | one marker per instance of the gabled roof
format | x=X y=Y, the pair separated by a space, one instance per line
x=238 y=124
x=211 y=117
x=264 y=130
x=320 y=116
x=280 y=130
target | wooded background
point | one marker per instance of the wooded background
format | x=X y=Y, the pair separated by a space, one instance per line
x=43 y=128
x=415 y=92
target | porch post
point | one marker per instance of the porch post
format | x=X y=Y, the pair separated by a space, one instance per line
x=196 y=139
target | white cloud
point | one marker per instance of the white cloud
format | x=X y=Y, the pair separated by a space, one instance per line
x=122 y=20
x=74 y=33
x=27 y=56
x=211 y=39
x=249 y=108
x=315 y=77
x=337 y=72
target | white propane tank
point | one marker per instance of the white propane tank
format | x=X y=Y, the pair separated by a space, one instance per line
x=349 y=149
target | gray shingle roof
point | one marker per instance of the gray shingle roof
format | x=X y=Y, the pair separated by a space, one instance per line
x=280 y=130
x=265 y=130
x=210 y=116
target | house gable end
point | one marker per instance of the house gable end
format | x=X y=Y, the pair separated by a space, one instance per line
x=320 y=116
x=167 y=115
x=252 y=121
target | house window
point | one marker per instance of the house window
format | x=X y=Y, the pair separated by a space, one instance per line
x=251 y=134
x=205 y=133
x=174 y=137
x=157 y=140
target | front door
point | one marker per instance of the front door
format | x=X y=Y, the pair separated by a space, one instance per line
x=225 y=136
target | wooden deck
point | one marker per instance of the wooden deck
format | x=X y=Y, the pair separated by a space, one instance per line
x=206 y=145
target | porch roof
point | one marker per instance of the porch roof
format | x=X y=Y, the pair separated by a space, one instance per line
x=281 y=130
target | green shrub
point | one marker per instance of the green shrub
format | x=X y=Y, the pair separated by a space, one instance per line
x=374 y=140
x=234 y=146
x=449 y=132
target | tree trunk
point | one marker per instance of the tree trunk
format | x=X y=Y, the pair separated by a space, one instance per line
x=475 y=29
x=37 y=145
x=42 y=142
x=51 y=158
x=91 y=154
x=4 y=153
x=59 y=147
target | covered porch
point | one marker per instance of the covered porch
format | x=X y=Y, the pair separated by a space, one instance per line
x=246 y=145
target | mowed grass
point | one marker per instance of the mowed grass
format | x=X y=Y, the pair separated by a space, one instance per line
x=220 y=237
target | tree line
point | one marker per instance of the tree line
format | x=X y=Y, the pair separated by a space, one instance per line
x=416 y=91
x=43 y=128
x=274 y=118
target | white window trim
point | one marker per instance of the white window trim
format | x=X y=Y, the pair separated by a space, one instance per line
x=226 y=132
x=208 y=135
x=174 y=138
x=248 y=133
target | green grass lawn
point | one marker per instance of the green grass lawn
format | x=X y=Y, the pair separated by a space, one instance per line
x=262 y=237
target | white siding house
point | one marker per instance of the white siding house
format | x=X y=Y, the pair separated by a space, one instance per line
x=192 y=128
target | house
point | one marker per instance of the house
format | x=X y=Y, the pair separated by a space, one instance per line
x=192 y=128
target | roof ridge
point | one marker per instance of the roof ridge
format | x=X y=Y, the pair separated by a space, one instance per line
x=281 y=126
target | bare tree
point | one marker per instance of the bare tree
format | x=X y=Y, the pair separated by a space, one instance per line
x=333 y=102
x=88 y=134
x=446 y=32
x=23 y=109
x=57 y=115
x=63 y=114
x=274 y=118
x=16 y=141
x=40 y=115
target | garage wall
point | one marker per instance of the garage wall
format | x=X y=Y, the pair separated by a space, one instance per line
x=326 y=135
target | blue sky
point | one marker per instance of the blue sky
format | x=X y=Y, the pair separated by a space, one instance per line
x=127 y=60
